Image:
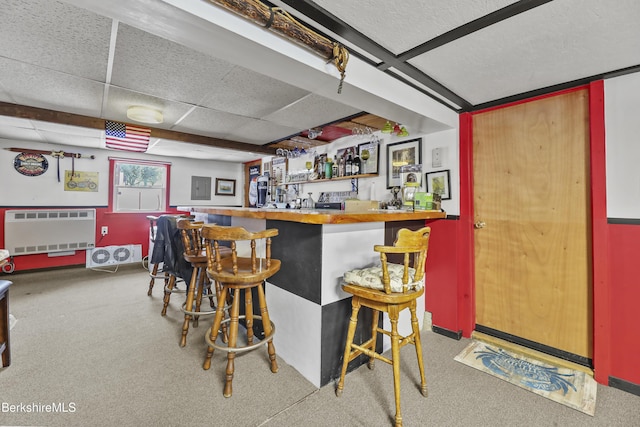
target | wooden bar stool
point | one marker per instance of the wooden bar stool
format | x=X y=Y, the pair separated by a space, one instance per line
x=389 y=288
x=236 y=273
x=195 y=254
x=157 y=257
x=168 y=237
x=155 y=273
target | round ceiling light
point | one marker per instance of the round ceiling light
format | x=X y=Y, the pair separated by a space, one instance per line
x=144 y=114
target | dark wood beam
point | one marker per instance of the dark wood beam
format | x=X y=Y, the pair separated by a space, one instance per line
x=52 y=116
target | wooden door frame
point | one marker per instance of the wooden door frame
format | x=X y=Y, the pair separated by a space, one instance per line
x=247 y=166
x=600 y=237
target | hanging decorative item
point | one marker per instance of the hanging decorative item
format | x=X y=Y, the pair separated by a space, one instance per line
x=30 y=164
x=57 y=154
x=280 y=21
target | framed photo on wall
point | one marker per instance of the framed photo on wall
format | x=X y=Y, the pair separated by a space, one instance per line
x=225 y=187
x=439 y=182
x=400 y=154
x=369 y=158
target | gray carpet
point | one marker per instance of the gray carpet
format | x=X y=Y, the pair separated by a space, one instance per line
x=94 y=343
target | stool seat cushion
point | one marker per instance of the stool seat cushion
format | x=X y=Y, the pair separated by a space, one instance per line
x=371 y=277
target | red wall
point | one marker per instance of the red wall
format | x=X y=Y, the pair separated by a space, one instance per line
x=124 y=229
x=624 y=300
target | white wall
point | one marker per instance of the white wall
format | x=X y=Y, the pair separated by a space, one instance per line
x=45 y=190
x=622 y=101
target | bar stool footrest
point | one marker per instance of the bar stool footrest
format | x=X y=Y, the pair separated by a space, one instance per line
x=228 y=349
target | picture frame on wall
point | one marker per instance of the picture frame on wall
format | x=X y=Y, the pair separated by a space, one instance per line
x=439 y=182
x=225 y=187
x=401 y=154
x=369 y=158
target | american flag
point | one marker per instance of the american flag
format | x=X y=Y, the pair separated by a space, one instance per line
x=121 y=136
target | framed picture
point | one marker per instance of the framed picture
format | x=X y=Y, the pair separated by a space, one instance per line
x=439 y=182
x=225 y=187
x=369 y=158
x=400 y=154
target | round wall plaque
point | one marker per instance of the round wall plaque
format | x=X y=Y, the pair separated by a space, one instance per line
x=30 y=164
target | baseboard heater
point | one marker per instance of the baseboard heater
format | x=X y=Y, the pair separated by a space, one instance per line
x=34 y=231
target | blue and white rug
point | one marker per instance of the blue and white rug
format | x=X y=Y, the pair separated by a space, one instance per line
x=575 y=389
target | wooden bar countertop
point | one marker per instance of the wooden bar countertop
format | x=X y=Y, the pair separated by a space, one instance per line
x=317 y=216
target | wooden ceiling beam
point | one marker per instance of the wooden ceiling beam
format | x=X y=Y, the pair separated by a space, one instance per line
x=52 y=116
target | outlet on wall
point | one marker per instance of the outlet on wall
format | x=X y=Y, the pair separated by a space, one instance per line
x=105 y=230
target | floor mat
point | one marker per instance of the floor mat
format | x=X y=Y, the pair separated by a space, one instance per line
x=573 y=388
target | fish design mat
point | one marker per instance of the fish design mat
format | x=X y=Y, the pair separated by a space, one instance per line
x=575 y=389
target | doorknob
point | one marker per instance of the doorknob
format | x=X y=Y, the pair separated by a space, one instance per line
x=478 y=225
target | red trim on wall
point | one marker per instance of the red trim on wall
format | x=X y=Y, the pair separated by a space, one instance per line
x=466 y=266
x=600 y=236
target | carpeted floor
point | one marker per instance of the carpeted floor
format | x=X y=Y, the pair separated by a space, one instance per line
x=93 y=344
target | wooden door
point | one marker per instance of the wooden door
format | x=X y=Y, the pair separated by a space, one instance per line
x=531 y=196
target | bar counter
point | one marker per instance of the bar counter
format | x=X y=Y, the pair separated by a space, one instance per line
x=306 y=303
x=319 y=216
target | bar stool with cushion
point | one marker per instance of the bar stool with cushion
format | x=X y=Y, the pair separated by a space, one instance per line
x=195 y=254
x=247 y=268
x=389 y=288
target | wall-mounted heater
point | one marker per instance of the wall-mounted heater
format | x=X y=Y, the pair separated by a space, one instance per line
x=34 y=231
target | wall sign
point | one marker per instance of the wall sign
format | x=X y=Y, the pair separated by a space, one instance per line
x=30 y=164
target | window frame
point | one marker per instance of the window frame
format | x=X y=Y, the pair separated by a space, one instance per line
x=114 y=161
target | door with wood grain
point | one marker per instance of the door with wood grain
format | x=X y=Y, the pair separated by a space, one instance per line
x=532 y=219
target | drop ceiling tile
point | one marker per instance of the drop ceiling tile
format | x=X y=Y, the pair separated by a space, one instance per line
x=311 y=111
x=251 y=94
x=19 y=134
x=95 y=141
x=400 y=27
x=44 y=88
x=161 y=68
x=55 y=35
x=213 y=123
x=195 y=151
x=261 y=132
x=549 y=45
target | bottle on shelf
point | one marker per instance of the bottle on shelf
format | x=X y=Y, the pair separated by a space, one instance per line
x=356 y=167
x=348 y=167
x=328 y=168
x=341 y=166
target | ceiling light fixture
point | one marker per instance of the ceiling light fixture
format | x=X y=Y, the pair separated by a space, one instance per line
x=144 y=114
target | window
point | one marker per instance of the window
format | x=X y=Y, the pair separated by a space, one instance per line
x=138 y=185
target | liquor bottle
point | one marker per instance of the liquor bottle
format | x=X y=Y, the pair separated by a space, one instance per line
x=341 y=166
x=356 y=168
x=348 y=167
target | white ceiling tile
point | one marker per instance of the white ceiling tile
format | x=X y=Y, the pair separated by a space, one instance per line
x=261 y=132
x=55 y=35
x=19 y=134
x=161 y=68
x=551 y=44
x=44 y=88
x=311 y=111
x=251 y=94
x=213 y=123
x=400 y=26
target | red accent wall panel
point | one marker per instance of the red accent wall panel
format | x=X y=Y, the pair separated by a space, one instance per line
x=442 y=273
x=124 y=229
x=624 y=301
